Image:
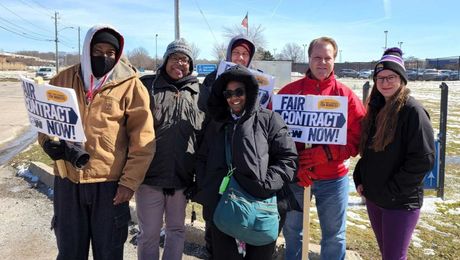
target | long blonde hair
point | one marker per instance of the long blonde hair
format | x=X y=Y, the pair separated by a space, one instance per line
x=383 y=115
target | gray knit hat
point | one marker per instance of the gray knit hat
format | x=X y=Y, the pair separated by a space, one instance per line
x=181 y=46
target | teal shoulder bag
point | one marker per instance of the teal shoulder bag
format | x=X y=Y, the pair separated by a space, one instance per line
x=241 y=215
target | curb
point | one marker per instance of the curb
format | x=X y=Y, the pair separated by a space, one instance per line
x=193 y=233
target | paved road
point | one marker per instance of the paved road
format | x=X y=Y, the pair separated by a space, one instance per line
x=13 y=113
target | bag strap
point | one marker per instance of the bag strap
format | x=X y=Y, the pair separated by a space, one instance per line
x=228 y=158
x=228 y=152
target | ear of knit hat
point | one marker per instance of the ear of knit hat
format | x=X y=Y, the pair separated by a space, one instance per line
x=181 y=46
x=392 y=60
x=106 y=36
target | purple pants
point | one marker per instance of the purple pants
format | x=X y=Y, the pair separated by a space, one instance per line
x=393 y=229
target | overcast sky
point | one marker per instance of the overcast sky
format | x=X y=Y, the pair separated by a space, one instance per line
x=426 y=28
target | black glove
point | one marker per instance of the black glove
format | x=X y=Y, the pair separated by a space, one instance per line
x=190 y=191
x=55 y=149
x=169 y=191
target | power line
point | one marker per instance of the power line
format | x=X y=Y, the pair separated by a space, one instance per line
x=25 y=35
x=20 y=17
x=20 y=28
x=31 y=6
x=206 y=21
x=43 y=7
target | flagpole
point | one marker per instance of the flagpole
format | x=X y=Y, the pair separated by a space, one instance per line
x=247 y=28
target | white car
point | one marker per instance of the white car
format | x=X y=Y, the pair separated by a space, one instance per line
x=46 y=72
x=365 y=74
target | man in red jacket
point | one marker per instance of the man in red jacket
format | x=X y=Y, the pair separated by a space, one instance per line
x=322 y=166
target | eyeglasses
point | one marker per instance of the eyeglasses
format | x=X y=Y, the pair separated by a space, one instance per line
x=239 y=92
x=239 y=54
x=179 y=59
x=390 y=79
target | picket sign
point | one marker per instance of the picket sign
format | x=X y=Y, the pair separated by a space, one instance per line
x=60 y=164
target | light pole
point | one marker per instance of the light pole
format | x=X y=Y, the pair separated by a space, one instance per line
x=56 y=39
x=156 y=52
x=386 y=34
x=304 y=54
x=400 y=44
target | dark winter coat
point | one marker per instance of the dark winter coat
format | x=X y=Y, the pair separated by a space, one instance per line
x=178 y=113
x=393 y=178
x=262 y=152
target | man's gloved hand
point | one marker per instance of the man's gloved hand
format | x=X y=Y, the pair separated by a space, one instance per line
x=169 y=191
x=191 y=191
x=55 y=149
x=315 y=156
x=305 y=180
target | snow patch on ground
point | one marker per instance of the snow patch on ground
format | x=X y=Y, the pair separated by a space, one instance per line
x=429 y=205
x=429 y=251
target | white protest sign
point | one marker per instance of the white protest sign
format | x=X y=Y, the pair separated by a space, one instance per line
x=53 y=110
x=314 y=119
x=266 y=82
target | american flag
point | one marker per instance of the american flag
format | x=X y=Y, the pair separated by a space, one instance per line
x=244 y=23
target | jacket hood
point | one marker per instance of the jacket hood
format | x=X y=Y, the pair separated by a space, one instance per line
x=217 y=104
x=87 y=71
x=238 y=38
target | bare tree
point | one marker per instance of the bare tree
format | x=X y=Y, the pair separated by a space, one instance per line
x=140 y=58
x=195 y=51
x=255 y=34
x=292 y=51
x=219 y=51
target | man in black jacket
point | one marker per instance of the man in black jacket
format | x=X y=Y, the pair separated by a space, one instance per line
x=178 y=113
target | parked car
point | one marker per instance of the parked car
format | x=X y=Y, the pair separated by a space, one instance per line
x=347 y=73
x=46 y=72
x=445 y=74
x=412 y=74
x=454 y=75
x=432 y=74
x=365 y=74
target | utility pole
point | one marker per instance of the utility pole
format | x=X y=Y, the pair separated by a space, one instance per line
x=56 y=40
x=386 y=33
x=156 y=52
x=400 y=44
x=176 y=20
x=79 y=55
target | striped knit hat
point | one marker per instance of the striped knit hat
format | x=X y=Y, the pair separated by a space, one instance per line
x=392 y=60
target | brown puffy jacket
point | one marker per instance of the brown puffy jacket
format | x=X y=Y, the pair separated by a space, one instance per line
x=118 y=126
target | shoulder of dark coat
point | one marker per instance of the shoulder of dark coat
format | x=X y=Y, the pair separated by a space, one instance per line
x=147 y=80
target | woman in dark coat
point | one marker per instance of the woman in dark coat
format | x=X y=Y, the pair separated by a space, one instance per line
x=397 y=150
x=262 y=152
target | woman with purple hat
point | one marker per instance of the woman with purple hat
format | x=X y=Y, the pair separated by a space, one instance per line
x=397 y=150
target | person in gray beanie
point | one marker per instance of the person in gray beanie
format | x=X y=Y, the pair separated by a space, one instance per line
x=178 y=110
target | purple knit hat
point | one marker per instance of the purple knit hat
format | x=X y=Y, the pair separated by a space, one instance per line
x=392 y=60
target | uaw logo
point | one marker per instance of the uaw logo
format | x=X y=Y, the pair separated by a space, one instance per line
x=378 y=68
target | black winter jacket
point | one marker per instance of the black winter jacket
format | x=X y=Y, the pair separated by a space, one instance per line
x=263 y=154
x=178 y=112
x=393 y=178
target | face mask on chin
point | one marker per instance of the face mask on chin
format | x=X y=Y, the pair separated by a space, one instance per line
x=101 y=65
